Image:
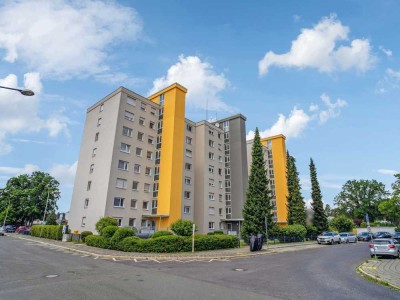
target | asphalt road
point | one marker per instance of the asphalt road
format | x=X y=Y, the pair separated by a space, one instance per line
x=324 y=273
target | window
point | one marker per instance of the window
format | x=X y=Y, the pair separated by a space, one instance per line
x=153 y=111
x=228 y=184
x=227 y=159
x=188 y=180
x=162 y=99
x=211 y=225
x=83 y=223
x=220 y=198
x=211 y=169
x=159 y=139
x=189 y=127
x=132 y=222
x=220 y=159
x=227 y=147
x=160 y=125
x=219 y=171
x=186 y=210
x=147 y=171
x=269 y=144
x=89 y=184
x=135 y=185
x=161 y=111
x=143 y=223
x=146 y=187
x=86 y=204
x=220 y=184
x=229 y=210
x=186 y=194
x=152 y=125
x=227 y=171
x=129 y=116
x=98 y=122
x=228 y=197
x=91 y=168
x=226 y=135
x=188 y=140
x=146 y=205
x=102 y=107
x=149 y=155
x=211 y=196
x=94 y=152
x=156 y=170
x=225 y=125
x=220 y=211
x=134 y=203
x=96 y=137
x=140 y=136
x=118 y=202
x=211 y=132
x=150 y=139
x=211 y=210
x=155 y=187
x=211 y=143
x=143 y=106
x=141 y=121
x=188 y=167
x=125 y=148
x=121 y=183
x=131 y=101
x=126 y=131
x=138 y=151
x=119 y=221
x=123 y=165
x=136 y=169
x=211 y=182
x=219 y=135
x=154 y=203
x=158 y=154
x=211 y=155
x=189 y=153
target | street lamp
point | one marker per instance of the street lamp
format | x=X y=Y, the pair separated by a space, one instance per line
x=24 y=92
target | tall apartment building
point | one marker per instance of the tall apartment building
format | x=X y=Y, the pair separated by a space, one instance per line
x=275 y=158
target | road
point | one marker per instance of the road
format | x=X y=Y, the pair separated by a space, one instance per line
x=324 y=273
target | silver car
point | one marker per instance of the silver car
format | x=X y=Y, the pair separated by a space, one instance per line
x=384 y=247
x=348 y=237
x=2 y=230
x=328 y=237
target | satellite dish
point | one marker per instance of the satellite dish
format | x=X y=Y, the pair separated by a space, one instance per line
x=217 y=125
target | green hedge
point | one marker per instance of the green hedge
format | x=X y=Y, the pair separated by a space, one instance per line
x=85 y=234
x=53 y=232
x=119 y=235
x=129 y=244
x=182 y=227
x=98 y=241
x=161 y=233
x=109 y=231
x=295 y=231
x=214 y=242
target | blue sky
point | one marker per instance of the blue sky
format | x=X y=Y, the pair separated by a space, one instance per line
x=326 y=74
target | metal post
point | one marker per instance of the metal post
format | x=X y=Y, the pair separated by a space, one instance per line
x=266 y=229
x=194 y=228
x=239 y=234
x=44 y=215
x=8 y=207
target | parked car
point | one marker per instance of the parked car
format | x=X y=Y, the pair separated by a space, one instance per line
x=348 y=237
x=10 y=228
x=383 y=234
x=365 y=236
x=396 y=236
x=328 y=237
x=2 y=231
x=22 y=229
x=385 y=247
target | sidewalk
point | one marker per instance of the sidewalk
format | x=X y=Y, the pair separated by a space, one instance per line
x=386 y=271
x=201 y=255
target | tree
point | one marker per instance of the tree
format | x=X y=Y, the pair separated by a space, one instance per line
x=295 y=202
x=51 y=219
x=320 y=220
x=257 y=207
x=342 y=224
x=328 y=210
x=104 y=222
x=361 y=197
x=390 y=208
x=27 y=196
x=182 y=227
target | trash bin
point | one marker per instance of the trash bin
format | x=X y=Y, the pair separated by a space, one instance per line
x=260 y=240
x=253 y=243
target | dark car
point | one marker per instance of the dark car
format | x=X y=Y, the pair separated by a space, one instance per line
x=365 y=236
x=383 y=235
x=10 y=228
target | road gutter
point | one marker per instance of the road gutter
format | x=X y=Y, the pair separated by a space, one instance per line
x=374 y=278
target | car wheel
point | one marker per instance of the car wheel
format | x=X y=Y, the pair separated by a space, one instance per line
x=332 y=242
x=339 y=241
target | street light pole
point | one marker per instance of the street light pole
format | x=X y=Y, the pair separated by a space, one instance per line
x=24 y=92
x=44 y=215
x=8 y=207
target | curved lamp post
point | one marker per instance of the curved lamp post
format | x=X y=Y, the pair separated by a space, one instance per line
x=24 y=92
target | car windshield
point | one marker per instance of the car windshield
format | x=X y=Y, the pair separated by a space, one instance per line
x=327 y=233
x=365 y=233
x=343 y=234
x=382 y=242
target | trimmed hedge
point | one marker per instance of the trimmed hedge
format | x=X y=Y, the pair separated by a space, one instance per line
x=85 y=234
x=98 y=241
x=182 y=227
x=295 y=231
x=214 y=242
x=129 y=244
x=119 y=235
x=161 y=233
x=109 y=231
x=53 y=232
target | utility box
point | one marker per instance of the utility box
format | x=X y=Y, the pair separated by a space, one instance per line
x=66 y=237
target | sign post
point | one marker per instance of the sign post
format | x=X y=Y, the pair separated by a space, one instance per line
x=194 y=228
x=369 y=230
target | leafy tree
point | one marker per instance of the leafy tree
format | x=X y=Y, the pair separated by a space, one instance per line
x=51 y=219
x=257 y=207
x=320 y=220
x=390 y=209
x=295 y=202
x=328 y=210
x=28 y=196
x=342 y=224
x=182 y=227
x=361 y=197
x=104 y=222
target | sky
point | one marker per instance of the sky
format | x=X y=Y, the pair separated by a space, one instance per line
x=326 y=74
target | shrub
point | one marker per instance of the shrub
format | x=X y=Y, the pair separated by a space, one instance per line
x=218 y=232
x=98 y=241
x=161 y=233
x=296 y=231
x=311 y=230
x=129 y=244
x=216 y=241
x=182 y=227
x=109 y=231
x=342 y=224
x=119 y=235
x=104 y=222
x=53 y=232
x=85 y=234
x=210 y=233
x=397 y=229
x=166 y=244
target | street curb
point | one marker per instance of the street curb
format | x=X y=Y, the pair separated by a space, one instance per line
x=376 y=279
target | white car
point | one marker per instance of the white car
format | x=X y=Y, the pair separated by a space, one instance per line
x=385 y=247
x=348 y=237
x=2 y=230
x=329 y=237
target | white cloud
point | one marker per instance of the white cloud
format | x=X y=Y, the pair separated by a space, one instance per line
x=388 y=52
x=202 y=82
x=296 y=18
x=393 y=74
x=388 y=172
x=64 y=173
x=63 y=39
x=13 y=171
x=333 y=109
x=391 y=81
x=319 y=48
x=19 y=114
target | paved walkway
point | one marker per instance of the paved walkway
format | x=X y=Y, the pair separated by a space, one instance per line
x=203 y=255
x=386 y=270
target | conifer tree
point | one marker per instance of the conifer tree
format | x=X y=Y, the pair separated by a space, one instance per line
x=320 y=220
x=295 y=202
x=258 y=197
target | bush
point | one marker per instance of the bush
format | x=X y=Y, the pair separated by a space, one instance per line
x=295 y=231
x=104 y=222
x=53 y=232
x=312 y=230
x=397 y=229
x=182 y=227
x=85 y=234
x=119 y=235
x=214 y=242
x=161 y=233
x=109 y=231
x=218 y=232
x=129 y=244
x=98 y=241
x=342 y=224
x=166 y=244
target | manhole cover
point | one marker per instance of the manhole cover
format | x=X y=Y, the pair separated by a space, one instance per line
x=239 y=270
x=51 y=276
